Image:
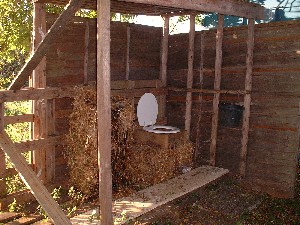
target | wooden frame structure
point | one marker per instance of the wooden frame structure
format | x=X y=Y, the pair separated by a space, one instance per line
x=104 y=9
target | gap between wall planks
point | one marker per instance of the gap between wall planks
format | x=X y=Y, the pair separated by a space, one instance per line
x=38 y=80
x=164 y=64
x=201 y=77
x=32 y=181
x=247 y=97
x=217 y=85
x=188 y=110
x=44 y=46
x=86 y=52
x=104 y=111
x=2 y=156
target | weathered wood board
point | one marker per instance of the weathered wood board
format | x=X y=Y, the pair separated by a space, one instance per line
x=157 y=195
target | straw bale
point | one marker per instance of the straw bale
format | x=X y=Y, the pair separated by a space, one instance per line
x=149 y=164
x=82 y=154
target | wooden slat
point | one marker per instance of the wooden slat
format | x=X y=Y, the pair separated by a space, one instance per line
x=104 y=111
x=217 y=85
x=2 y=156
x=208 y=91
x=32 y=182
x=190 y=75
x=36 y=94
x=9 y=216
x=45 y=45
x=18 y=119
x=30 y=145
x=157 y=195
x=247 y=97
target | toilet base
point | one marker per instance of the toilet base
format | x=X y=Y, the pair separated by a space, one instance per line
x=161 y=139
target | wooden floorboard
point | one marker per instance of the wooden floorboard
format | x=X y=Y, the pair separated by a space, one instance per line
x=145 y=200
x=8 y=216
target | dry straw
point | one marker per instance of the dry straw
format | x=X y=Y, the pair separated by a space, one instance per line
x=134 y=164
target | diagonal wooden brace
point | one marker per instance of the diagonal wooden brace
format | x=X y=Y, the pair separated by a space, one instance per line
x=43 y=47
x=39 y=191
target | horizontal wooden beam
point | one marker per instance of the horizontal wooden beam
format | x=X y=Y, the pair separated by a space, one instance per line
x=124 y=88
x=226 y=7
x=208 y=91
x=18 y=119
x=38 y=144
x=45 y=45
x=36 y=94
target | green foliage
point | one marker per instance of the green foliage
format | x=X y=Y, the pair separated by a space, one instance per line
x=15 y=207
x=15 y=28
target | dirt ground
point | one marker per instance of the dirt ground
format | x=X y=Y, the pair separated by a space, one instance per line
x=226 y=202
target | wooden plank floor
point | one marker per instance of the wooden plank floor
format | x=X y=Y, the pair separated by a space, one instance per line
x=145 y=200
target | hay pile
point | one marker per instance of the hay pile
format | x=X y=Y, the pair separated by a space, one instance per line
x=149 y=164
x=134 y=164
x=82 y=154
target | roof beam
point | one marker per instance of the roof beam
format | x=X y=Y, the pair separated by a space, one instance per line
x=228 y=7
x=45 y=44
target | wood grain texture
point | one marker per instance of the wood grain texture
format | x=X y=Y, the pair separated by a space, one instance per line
x=247 y=98
x=104 y=112
x=189 y=83
x=217 y=86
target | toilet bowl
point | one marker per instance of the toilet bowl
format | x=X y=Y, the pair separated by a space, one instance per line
x=147 y=111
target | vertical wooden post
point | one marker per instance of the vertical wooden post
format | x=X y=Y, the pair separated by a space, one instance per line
x=164 y=64
x=86 y=52
x=164 y=50
x=247 y=97
x=190 y=75
x=217 y=86
x=128 y=53
x=2 y=156
x=201 y=77
x=39 y=81
x=104 y=111
x=50 y=153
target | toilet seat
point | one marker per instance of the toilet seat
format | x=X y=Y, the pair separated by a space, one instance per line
x=147 y=111
x=160 y=129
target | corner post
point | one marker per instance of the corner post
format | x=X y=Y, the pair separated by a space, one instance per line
x=39 y=81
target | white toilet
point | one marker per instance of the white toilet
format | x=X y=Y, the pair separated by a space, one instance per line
x=147 y=111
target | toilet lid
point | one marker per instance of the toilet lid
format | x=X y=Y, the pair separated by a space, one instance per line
x=147 y=110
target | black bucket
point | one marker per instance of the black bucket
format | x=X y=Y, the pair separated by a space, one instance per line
x=230 y=114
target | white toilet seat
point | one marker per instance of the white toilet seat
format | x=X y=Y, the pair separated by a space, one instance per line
x=147 y=110
x=160 y=129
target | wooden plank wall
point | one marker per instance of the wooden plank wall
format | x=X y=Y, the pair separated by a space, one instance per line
x=72 y=56
x=274 y=138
